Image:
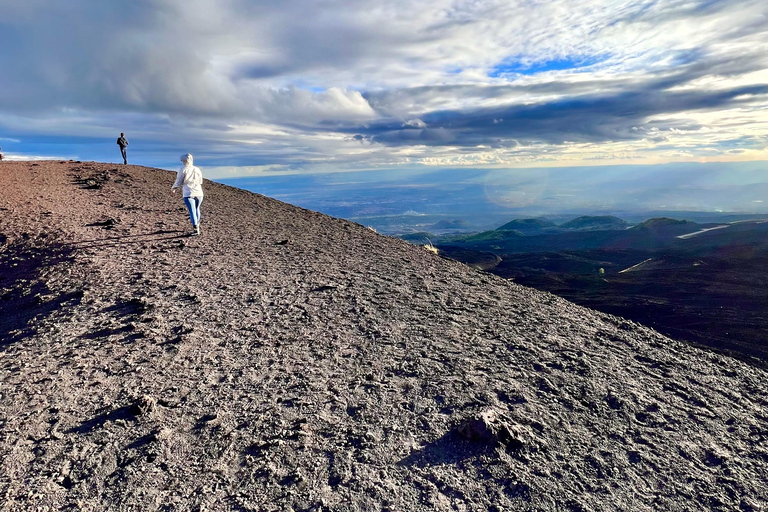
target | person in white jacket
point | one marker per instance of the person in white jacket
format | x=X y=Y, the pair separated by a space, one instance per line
x=190 y=179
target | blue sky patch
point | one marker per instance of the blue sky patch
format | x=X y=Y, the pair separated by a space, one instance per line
x=516 y=66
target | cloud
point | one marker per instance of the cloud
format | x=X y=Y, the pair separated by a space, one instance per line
x=585 y=119
x=365 y=84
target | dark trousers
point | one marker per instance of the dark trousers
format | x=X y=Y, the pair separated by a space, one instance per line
x=124 y=152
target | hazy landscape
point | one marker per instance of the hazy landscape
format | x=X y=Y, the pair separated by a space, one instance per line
x=471 y=200
x=697 y=275
x=701 y=282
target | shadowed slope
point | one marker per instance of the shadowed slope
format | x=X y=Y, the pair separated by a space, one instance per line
x=332 y=371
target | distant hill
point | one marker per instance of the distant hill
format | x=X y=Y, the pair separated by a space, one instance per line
x=658 y=223
x=419 y=238
x=445 y=225
x=663 y=228
x=490 y=236
x=700 y=282
x=594 y=223
x=528 y=226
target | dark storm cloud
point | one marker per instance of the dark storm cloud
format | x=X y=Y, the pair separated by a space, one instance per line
x=687 y=66
x=589 y=119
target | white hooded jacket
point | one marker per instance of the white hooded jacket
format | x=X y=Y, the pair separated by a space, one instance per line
x=190 y=178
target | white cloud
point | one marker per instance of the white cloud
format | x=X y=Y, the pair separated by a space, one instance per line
x=289 y=80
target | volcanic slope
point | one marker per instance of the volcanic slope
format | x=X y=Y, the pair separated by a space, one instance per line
x=286 y=360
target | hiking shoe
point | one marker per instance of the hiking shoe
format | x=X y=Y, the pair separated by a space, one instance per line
x=197 y=229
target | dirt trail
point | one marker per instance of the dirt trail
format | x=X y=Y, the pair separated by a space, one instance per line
x=141 y=369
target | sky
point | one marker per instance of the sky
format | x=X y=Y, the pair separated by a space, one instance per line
x=256 y=88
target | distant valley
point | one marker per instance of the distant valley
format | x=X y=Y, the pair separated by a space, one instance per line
x=697 y=253
x=703 y=282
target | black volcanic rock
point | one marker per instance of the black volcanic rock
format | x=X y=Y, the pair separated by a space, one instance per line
x=594 y=223
x=340 y=371
x=482 y=260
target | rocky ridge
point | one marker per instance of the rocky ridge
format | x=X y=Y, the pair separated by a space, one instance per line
x=286 y=360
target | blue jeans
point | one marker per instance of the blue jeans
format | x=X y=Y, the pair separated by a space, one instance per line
x=193 y=205
x=124 y=152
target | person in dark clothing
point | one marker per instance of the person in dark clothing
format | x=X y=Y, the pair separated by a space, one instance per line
x=123 y=143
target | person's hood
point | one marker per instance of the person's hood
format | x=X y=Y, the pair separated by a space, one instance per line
x=186 y=159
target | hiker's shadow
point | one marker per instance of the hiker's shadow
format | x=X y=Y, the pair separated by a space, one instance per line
x=25 y=299
x=451 y=448
x=131 y=239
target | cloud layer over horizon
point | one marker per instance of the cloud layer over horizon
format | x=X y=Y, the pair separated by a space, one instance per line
x=324 y=86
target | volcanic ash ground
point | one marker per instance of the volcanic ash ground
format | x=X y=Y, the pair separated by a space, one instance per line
x=285 y=360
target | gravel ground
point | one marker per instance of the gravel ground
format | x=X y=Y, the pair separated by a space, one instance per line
x=285 y=360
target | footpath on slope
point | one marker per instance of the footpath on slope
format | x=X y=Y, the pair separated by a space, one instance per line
x=286 y=360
